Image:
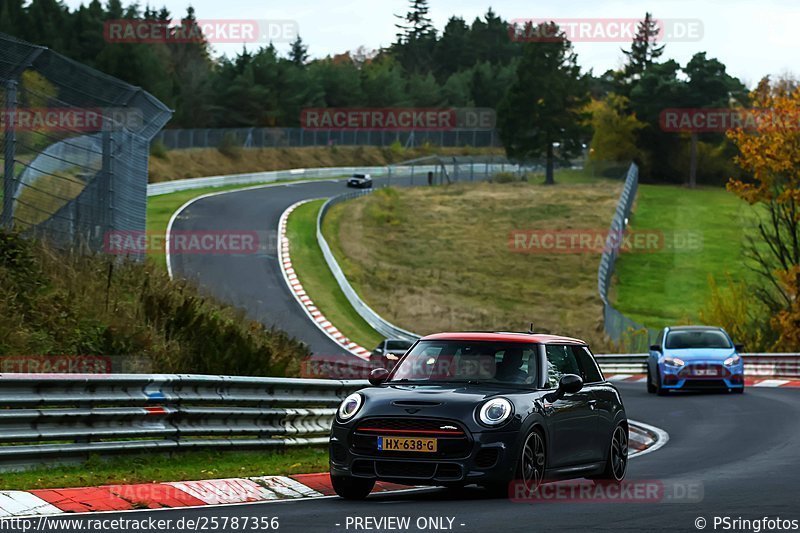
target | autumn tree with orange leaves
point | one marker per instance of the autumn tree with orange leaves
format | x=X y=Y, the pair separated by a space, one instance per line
x=770 y=156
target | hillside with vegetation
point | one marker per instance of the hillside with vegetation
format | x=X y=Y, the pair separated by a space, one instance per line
x=69 y=304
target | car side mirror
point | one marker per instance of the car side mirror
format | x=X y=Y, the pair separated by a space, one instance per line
x=379 y=350
x=655 y=347
x=569 y=383
x=378 y=376
x=739 y=347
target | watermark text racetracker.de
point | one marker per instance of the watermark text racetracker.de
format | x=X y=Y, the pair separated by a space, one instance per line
x=228 y=242
x=397 y=118
x=597 y=241
x=196 y=31
x=602 y=30
x=629 y=491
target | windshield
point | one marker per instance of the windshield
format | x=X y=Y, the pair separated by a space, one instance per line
x=398 y=346
x=468 y=361
x=682 y=340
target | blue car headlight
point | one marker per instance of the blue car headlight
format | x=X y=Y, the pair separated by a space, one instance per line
x=732 y=361
x=674 y=362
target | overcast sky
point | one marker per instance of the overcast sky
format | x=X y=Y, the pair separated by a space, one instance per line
x=752 y=38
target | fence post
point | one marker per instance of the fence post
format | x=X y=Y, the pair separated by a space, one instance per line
x=108 y=173
x=10 y=154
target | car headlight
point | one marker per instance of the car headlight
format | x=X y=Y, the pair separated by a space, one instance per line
x=732 y=361
x=495 y=412
x=673 y=361
x=350 y=406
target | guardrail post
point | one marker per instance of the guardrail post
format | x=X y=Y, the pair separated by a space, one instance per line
x=9 y=155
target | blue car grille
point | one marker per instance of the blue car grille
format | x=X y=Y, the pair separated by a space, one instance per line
x=704 y=371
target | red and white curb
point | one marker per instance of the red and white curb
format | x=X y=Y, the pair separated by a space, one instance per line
x=748 y=381
x=16 y=503
x=643 y=439
x=299 y=293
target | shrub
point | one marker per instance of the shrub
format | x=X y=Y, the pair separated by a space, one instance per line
x=157 y=149
x=505 y=177
x=229 y=146
x=733 y=308
x=53 y=302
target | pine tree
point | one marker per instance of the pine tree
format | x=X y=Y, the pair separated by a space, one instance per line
x=644 y=51
x=416 y=23
x=299 y=52
x=543 y=107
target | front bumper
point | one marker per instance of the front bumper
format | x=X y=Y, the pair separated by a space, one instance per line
x=687 y=377
x=489 y=457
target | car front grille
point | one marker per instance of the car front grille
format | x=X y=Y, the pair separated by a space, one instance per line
x=703 y=371
x=407 y=470
x=453 y=441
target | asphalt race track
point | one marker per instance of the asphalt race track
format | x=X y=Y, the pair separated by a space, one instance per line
x=740 y=451
x=254 y=282
x=729 y=455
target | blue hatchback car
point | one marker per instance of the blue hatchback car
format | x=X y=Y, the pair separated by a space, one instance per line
x=694 y=357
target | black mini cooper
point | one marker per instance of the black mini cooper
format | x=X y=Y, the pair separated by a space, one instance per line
x=492 y=409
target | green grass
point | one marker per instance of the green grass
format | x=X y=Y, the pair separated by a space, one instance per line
x=317 y=280
x=671 y=285
x=438 y=258
x=184 y=466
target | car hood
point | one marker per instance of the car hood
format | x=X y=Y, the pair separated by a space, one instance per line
x=693 y=355
x=453 y=401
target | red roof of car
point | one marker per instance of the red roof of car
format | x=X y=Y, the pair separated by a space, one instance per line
x=538 y=338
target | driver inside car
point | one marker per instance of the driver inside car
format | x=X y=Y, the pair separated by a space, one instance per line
x=510 y=368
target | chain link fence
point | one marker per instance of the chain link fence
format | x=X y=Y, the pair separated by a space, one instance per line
x=74 y=146
x=294 y=137
x=620 y=328
x=440 y=170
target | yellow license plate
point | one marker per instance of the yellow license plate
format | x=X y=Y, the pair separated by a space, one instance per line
x=406 y=444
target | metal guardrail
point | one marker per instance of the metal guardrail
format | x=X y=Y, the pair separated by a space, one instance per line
x=166 y=187
x=64 y=416
x=378 y=323
x=57 y=417
x=617 y=326
x=784 y=365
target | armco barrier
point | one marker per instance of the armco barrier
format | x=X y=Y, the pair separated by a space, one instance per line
x=49 y=417
x=785 y=365
x=72 y=416
x=385 y=328
x=166 y=187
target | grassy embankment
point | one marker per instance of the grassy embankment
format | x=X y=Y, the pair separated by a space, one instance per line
x=434 y=259
x=704 y=231
x=197 y=162
x=151 y=468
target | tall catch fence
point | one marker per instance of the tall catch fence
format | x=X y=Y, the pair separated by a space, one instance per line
x=620 y=328
x=74 y=146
